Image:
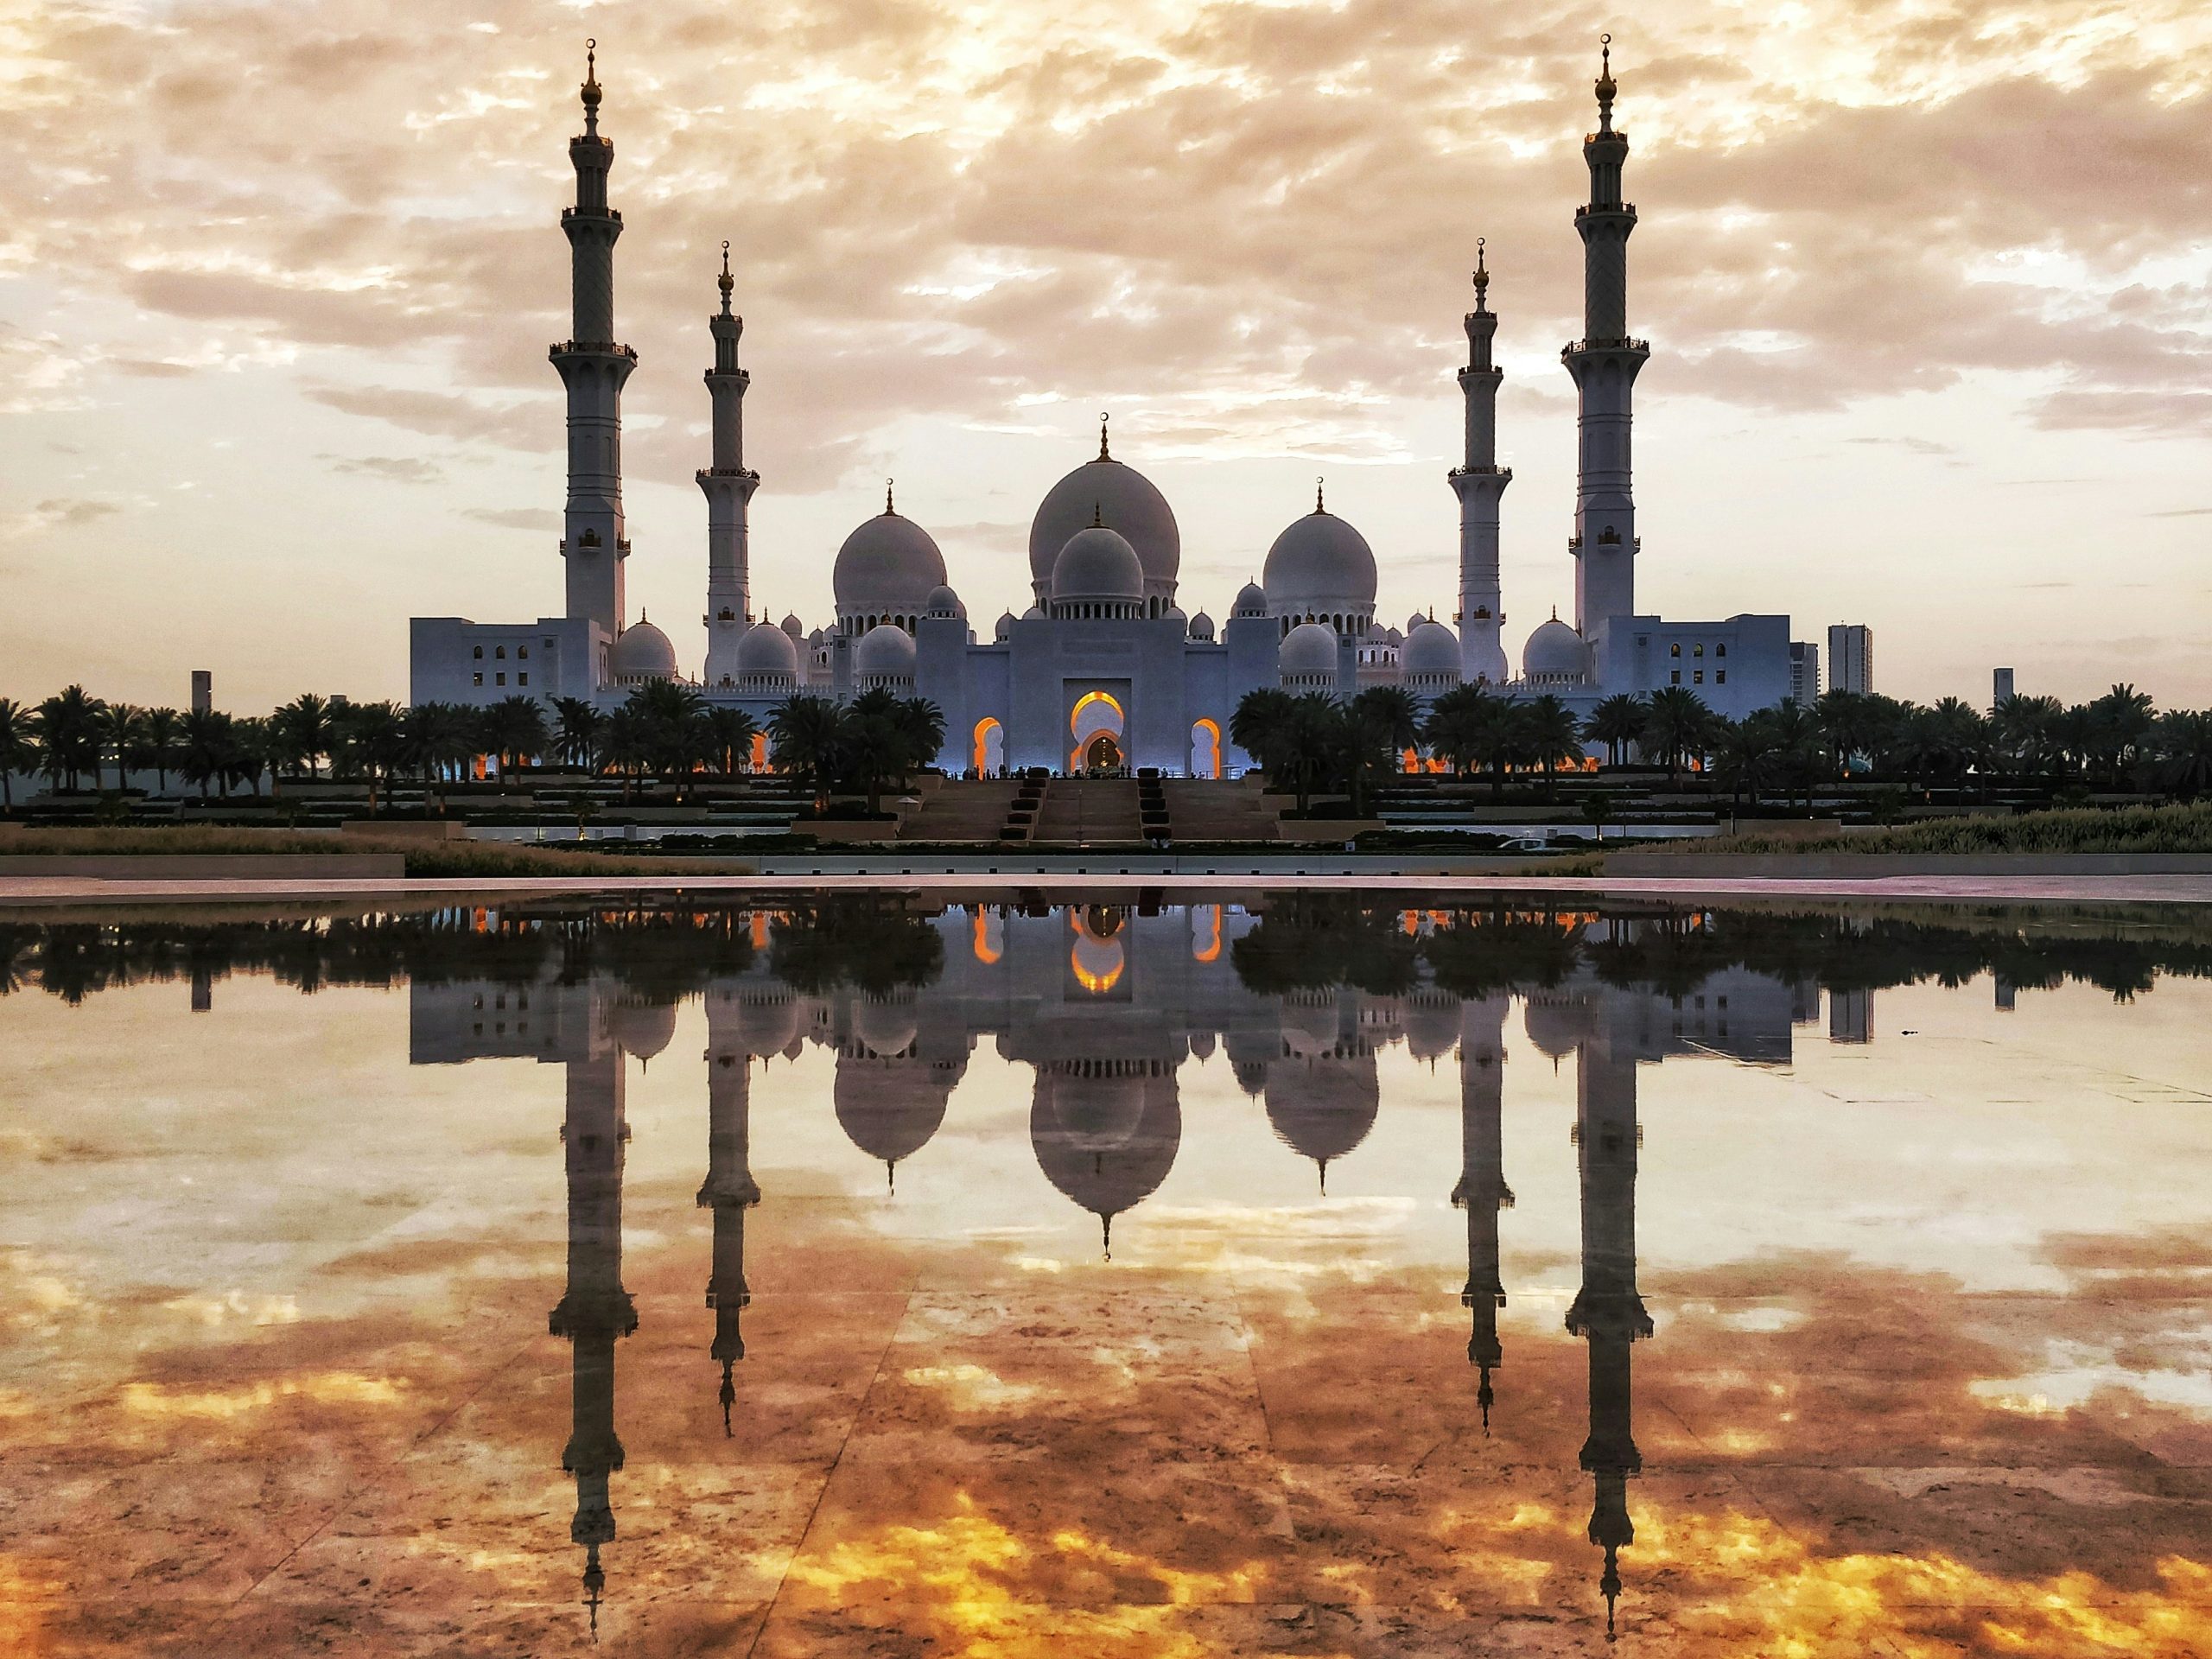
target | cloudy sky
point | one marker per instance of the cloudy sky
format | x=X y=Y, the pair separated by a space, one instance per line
x=1928 y=288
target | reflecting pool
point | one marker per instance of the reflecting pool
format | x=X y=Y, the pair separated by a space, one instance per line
x=1294 y=1275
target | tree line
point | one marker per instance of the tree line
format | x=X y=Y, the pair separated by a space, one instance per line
x=663 y=729
x=2120 y=740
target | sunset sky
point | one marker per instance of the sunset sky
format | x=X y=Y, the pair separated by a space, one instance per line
x=1928 y=289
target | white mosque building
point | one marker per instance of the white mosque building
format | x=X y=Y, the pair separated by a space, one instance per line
x=1103 y=667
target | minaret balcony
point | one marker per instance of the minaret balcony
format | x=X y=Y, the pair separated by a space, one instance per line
x=570 y=213
x=1483 y=472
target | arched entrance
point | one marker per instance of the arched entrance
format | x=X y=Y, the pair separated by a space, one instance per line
x=1205 y=749
x=1097 y=716
x=989 y=751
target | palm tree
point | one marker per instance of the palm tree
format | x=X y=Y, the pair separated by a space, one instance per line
x=206 y=745
x=303 y=731
x=669 y=715
x=2184 y=741
x=1795 y=734
x=921 y=724
x=1259 y=724
x=1617 y=722
x=19 y=749
x=623 y=746
x=69 y=735
x=808 y=735
x=117 y=724
x=1379 y=725
x=873 y=744
x=1310 y=740
x=1744 y=755
x=158 y=730
x=728 y=733
x=578 y=727
x=1675 y=723
x=2124 y=722
x=376 y=736
x=1455 y=722
x=436 y=737
x=515 y=730
x=1549 y=734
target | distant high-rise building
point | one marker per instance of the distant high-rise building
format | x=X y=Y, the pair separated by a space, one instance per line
x=203 y=691
x=1850 y=656
x=1804 y=673
x=2000 y=686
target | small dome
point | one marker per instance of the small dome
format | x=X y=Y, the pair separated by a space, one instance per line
x=1104 y=492
x=1431 y=649
x=1005 y=629
x=1559 y=1025
x=1034 y=612
x=1319 y=562
x=1097 y=563
x=794 y=626
x=943 y=601
x=1251 y=601
x=1554 y=652
x=1416 y=619
x=887 y=565
x=885 y=652
x=1307 y=650
x=1391 y=636
x=641 y=652
x=642 y=1028
x=765 y=649
x=1202 y=626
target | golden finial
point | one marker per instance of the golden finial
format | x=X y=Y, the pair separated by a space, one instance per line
x=727 y=282
x=887 y=496
x=1318 y=508
x=1103 y=416
x=1482 y=273
x=1605 y=87
x=1098 y=515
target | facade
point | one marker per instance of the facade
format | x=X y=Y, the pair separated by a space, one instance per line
x=1103 y=667
x=2000 y=686
x=1850 y=656
x=1804 y=673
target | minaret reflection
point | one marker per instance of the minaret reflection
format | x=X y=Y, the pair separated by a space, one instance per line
x=596 y=1309
x=1482 y=1192
x=729 y=1190
x=1607 y=1310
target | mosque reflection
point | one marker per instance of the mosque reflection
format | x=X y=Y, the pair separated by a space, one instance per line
x=1104 y=1004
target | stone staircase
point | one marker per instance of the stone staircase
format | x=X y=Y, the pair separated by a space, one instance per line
x=1200 y=811
x=1088 y=809
x=962 y=811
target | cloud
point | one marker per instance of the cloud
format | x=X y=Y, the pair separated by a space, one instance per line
x=396 y=469
x=57 y=513
x=532 y=519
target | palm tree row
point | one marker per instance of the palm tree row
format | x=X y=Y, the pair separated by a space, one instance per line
x=861 y=746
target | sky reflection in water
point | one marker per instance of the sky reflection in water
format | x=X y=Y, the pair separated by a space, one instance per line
x=1327 y=1278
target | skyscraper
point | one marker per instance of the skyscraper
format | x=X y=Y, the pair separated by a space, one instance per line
x=1850 y=656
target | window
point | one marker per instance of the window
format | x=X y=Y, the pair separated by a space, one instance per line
x=500 y=652
x=1720 y=677
x=1675 y=678
x=502 y=679
x=1720 y=650
x=480 y=653
x=476 y=679
x=1698 y=678
x=523 y=652
x=1675 y=649
x=522 y=678
x=1697 y=650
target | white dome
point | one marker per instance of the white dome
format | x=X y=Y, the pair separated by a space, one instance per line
x=1104 y=492
x=1416 y=619
x=1033 y=611
x=1005 y=629
x=792 y=626
x=1319 y=562
x=1392 y=636
x=1431 y=649
x=1251 y=601
x=1554 y=652
x=642 y=1028
x=641 y=652
x=1202 y=626
x=1097 y=563
x=885 y=652
x=943 y=601
x=765 y=649
x=886 y=568
x=1309 y=650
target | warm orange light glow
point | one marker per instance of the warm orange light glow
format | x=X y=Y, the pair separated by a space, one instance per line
x=1089 y=699
x=985 y=942
x=979 y=756
x=1097 y=963
x=1208 y=934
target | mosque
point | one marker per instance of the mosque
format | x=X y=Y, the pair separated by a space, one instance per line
x=1103 y=667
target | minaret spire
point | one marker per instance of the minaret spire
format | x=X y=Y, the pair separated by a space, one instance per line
x=1605 y=363
x=593 y=367
x=729 y=1189
x=1482 y=1192
x=728 y=484
x=1478 y=483
x=1104 y=416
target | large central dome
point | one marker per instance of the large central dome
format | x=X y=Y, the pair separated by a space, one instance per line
x=1104 y=492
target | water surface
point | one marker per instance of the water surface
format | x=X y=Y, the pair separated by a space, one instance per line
x=1317 y=1277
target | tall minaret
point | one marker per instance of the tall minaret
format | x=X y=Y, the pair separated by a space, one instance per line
x=593 y=367
x=729 y=1189
x=596 y=1309
x=1608 y=1310
x=1604 y=363
x=1482 y=1192
x=1478 y=484
x=728 y=488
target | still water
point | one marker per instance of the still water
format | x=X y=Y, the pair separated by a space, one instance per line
x=1304 y=1277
